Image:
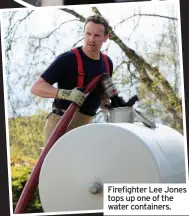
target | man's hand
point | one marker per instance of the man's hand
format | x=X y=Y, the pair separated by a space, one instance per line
x=73 y=95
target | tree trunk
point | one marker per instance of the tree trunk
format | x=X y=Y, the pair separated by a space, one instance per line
x=150 y=76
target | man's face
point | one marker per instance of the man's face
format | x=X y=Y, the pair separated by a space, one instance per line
x=94 y=36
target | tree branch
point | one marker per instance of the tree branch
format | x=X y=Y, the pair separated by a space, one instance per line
x=143 y=14
x=80 y=17
x=149 y=75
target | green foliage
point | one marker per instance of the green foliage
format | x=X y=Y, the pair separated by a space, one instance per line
x=26 y=139
x=26 y=136
x=20 y=175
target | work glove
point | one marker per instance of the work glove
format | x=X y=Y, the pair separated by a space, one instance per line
x=73 y=95
x=118 y=101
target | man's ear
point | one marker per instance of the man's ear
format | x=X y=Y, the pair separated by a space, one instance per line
x=106 y=37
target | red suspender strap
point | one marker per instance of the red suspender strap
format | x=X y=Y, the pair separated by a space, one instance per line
x=80 y=81
x=106 y=62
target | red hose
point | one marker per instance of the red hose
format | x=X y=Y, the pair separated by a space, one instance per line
x=60 y=129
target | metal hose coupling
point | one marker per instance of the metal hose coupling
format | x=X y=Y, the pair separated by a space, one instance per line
x=108 y=87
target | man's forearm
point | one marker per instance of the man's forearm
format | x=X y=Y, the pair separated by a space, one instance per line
x=43 y=89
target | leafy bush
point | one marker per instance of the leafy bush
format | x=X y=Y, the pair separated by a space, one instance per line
x=20 y=175
x=26 y=136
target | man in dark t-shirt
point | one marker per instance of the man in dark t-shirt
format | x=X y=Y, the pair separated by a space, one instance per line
x=64 y=72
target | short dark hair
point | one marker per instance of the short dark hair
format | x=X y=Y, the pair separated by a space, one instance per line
x=97 y=19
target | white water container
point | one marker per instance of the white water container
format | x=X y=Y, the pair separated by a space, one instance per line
x=108 y=153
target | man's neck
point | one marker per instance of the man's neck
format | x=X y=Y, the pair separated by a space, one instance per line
x=92 y=55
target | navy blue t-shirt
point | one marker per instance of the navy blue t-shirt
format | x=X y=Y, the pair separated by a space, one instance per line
x=64 y=72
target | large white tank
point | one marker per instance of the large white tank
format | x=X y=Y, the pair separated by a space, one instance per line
x=108 y=153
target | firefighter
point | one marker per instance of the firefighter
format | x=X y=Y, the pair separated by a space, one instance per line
x=73 y=70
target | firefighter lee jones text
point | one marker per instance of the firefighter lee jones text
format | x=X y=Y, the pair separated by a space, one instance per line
x=150 y=189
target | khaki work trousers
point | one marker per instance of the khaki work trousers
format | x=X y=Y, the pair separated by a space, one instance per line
x=53 y=119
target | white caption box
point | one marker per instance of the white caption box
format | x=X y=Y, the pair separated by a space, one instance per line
x=145 y=199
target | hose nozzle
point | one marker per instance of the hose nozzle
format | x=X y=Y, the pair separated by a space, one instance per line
x=108 y=87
